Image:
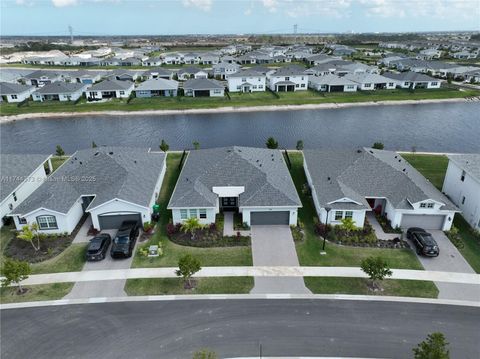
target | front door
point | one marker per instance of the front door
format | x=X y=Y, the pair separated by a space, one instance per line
x=229 y=203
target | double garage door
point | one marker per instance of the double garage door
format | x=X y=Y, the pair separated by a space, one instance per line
x=270 y=218
x=115 y=221
x=422 y=221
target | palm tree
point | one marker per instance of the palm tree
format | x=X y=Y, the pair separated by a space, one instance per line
x=28 y=233
x=191 y=225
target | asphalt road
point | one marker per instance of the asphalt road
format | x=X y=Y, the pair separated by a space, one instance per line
x=175 y=329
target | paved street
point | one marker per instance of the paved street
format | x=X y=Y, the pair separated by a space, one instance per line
x=233 y=328
x=274 y=246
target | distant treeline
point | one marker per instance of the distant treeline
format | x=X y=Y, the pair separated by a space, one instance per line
x=45 y=46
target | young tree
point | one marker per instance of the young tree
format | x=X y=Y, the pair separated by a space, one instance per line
x=271 y=143
x=94 y=145
x=299 y=145
x=187 y=267
x=29 y=233
x=196 y=145
x=378 y=146
x=191 y=225
x=376 y=268
x=348 y=224
x=59 y=151
x=14 y=272
x=164 y=146
x=204 y=354
x=434 y=347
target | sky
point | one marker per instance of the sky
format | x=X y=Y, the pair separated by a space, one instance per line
x=172 y=17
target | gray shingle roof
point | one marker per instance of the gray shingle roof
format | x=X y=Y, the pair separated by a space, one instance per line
x=15 y=168
x=111 y=85
x=191 y=70
x=202 y=84
x=247 y=73
x=292 y=70
x=125 y=173
x=410 y=76
x=7 y=88
x=262 y=172
x=470 y=163
x=364 y=78
x=369 y=173
x=157 y=84
x=331 y=80
x=60 y=88
x=41 y=73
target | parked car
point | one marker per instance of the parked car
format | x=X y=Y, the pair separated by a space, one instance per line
x=125 y=239
x=423 y=241
x=98 y=247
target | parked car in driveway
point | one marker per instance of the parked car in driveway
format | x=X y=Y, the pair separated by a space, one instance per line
x=125 y=239
x=423 y=241
x=98 y=247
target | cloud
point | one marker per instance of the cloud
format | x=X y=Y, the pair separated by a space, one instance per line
x=64 y=3
x=271 y=5
x=204 y=5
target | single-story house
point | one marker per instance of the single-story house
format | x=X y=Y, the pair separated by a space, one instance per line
x=464 y=55
x=41 y=78
x=347 y=184
x=191 y=72
x=125 y=75
x=85 y=77
x=21 y=175
x=462 y=185
x=288 y=79
x=60 y=91
x=253 y=181
x=152 y=61
x=12 y=92
x=203 y=88
x=413 y=80
x=247 y=81
x=157 y=87
x=110 y=89
x=111 y=184
x=224 y=69
x=158 y=73
x=318 y=59
x=369 y=82
x=331 y=83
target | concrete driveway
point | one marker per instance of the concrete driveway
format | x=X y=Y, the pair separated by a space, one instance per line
x=113 y=288
x=451 y=260
x=274 y=246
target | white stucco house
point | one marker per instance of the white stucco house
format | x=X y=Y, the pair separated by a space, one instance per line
x=247 y=81
x=350 y=183
x=60 y=91
x=110 y=89
x=109 y=184
x=331 y=83
x=370 y=82
x=203 y=88
x=13 y=92
x=413 y=80
x=288 y=79
x=253 y=181
x=20 y=175
x=462 y=185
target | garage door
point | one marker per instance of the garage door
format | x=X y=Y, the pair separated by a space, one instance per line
x=422 y=221
x=114 y=221
x=257 y=218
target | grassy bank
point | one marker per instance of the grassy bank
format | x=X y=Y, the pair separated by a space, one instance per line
x=392 y=287
x=35 y=293
x=164 y=286
x=434 y=167
x=237 y=100
x=225 y=256
x=308 y=250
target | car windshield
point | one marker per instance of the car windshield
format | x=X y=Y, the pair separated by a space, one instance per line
x=94 y=246
x=121 y=240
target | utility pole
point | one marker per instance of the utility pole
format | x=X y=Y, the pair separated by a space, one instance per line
x=295 y=28
x=70 y=30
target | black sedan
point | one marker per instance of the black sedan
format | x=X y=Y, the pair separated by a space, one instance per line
x=98 y=247
x=423 y=241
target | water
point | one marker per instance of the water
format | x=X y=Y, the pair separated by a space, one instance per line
x=441 y=127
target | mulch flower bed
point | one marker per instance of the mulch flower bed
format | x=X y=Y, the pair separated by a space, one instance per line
x=209 y=236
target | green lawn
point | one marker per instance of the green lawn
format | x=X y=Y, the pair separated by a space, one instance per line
x=164 y=286
x=35 y=293
x=57 y=161
x=5 y=237
x=71 y=259
x=392 y=287
x=434 y=167
x=225 y=256
x=255 y=99
x=308 y=250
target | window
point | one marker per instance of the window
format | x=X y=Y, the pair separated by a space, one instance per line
x=348 y=214
x=287 y=78
x=14 y=97
x=302 y=85
x=338 y=215
x=462 y=177
x=260 y=86
x=244 y=79
x=423 y=205
x=193 y=213
x=430 y=205
x=434 y=83
x=390 y=84
x=217 y=91
x=183 y=214
x=367 y=85
x=14 y=195
x=22 y=220
x=203 y=213
x=10 y=206
x=122 y=92
x=463 y=200
x=47 y=222
x=296 y=85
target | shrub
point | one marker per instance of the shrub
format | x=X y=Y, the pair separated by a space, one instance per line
x=171 y=229
x=212 y=227
x=322 y=229
x=378 y=146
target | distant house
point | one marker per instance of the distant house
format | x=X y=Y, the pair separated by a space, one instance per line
x=369 y=82
x=21 y=175
x=131 y=61
x=173 y=58
x=462 y=185
x=388 y=59
x=472 y=76
x=203 y=88
x=331 y=83
x=60 y=91
x=152 y=61
x=125 y=75
x=158 y=73
x=12 y=92
x=464 y=55
x=413 y=80
x=157 y=87
x=429 y=54
x=209 y=59
x=191 y=72
x=247 y=81
x=288 y=79
x=85 y=77
x=41 y=78
x=342 y=50
x=224 y=69
x=110 y=89
x=320 y=59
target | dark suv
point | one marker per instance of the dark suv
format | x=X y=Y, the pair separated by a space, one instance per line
x=423 y=241
x=98 y=247
x=124 y=240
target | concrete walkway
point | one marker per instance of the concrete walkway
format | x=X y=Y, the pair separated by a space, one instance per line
x=228 y=224
x=259 y=271
x=451 y=260
x=378 y=228
x=273 y=246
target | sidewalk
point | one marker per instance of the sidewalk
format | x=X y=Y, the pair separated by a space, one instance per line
x=293 y=271
x=377 y=228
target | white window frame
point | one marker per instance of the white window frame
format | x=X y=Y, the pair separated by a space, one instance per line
x=47 y=222
x=202 y=213
x=192 y=213
x=183 y=214
x=336 y=214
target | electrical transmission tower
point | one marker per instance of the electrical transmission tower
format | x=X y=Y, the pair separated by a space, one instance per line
x=70 y=30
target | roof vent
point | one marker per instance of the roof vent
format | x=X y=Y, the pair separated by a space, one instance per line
x=404 y=169
x=396 y=156
x=273 y=159
x=110 y=153
x=360 y=151
x=134 y=161
x=96 y=153
x=399 y=160
x=328 y=178
x=80 y=162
